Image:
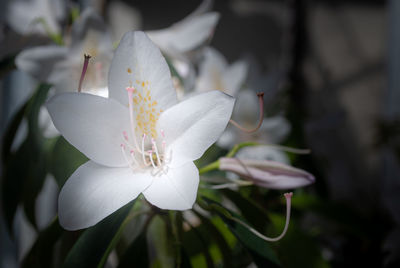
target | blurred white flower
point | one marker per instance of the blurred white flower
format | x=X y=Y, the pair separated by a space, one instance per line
x=273 y=129
x=35 y=16
x=216 y=73
x=187 y=34
x=62 y=65
x=140 y=140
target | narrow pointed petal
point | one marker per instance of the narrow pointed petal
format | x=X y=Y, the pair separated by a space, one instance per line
x=187 y=34
x=138 y=63
x=195 y=124
x=234 y=77
x=93 y=192
x=40 y=61
x=176 y=190
x=94 y=125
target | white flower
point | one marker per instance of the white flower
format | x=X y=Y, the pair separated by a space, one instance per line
x=273 y=129
x=215 y=73
x=140 y=140
x=23 y=15
x=62 y=66
x=187 y=34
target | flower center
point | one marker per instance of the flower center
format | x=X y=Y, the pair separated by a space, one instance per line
x=150 y=152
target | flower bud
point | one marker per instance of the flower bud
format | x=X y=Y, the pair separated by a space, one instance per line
x=268 y=174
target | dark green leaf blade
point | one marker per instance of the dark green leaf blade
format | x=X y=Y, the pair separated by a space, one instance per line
x=136 y=255
x=65 y=160
x=91 y=246
x=262 y=253
x=41 y=254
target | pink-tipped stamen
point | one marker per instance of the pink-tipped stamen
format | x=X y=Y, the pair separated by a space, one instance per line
x=123 y=147
x=125 y=135
x=84 y=69
x=288 y=197
x=260 y=120
x=143 y=152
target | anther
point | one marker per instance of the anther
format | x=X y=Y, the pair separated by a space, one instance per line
x=260 y=96
x=84 y=69
x=125 y=135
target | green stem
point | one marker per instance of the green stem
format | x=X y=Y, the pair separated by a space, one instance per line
x=118 y=234
x=176 y=226
x=213 y=166
x=237 y=147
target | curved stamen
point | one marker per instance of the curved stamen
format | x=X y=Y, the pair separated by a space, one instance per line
x=142 y=152
x=288 y=197
x=123 y=147
x=151 y=159
x=156 y=151
x=130 y=91
x=84 y=69
x=261 y=116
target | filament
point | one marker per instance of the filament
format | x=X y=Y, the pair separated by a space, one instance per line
x=84 y=69
x=261 y=116
x=288 y=197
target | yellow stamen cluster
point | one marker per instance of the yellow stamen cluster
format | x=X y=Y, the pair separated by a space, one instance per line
x=145 y=108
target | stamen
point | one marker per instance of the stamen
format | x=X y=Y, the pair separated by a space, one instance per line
x=156 y=151
x=151 y=159
x=130 y=91
x=123 y=147
x=132 y=152
x=261 y=116
x=288 y=197
x=125 y=135
x=142 y=152
x=84 y=69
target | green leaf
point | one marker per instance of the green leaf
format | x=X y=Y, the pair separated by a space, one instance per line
x=136 y=255
x=10 y=133
x=219 y=239
x=250 y=210
x=260 y=250
x=65 y=160
x=93 y=245
x=297 y=248
x=25 y=170
x=42 y=252
x=159 y=238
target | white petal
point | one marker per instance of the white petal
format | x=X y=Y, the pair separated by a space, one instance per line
x=262 y=152
x=123 y=18
x=211 y=71
x=275 y=129
x=46 y=124
x=193 y=125
x=176 y=190
x=137 y=59
x=23 y=15
x=90 y=34
x=40 y=61
x=93 y=192
x=187 y=34
x=234 y=77
x=94 y=125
